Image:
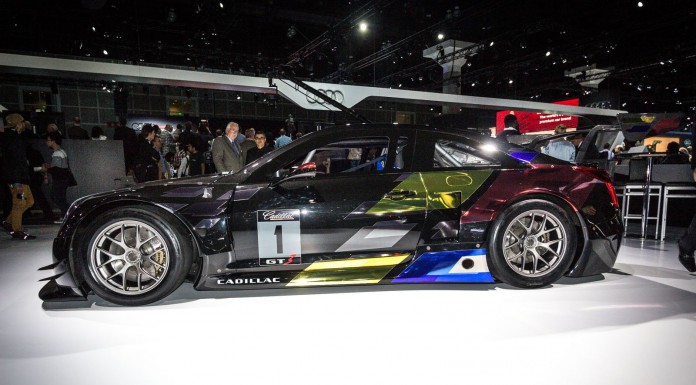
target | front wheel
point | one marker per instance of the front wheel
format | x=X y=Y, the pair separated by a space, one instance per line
x=532 y=244
x=134 y=256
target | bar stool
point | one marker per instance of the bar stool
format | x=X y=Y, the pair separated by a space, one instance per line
x=638 y=190
x=636 y=187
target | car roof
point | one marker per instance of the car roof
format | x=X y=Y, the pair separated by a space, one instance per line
x=471 y=135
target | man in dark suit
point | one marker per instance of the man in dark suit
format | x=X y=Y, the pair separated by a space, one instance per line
x=130 y=143
x=76 y=131
x=512 y=127
x=227 y=155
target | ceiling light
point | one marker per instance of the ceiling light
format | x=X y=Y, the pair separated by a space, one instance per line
x=222 y=5
x=440 y=36
x=548 y=53
x=491 y=45
x=510 y=82
x=363 y=26
x=106 y=52
x=640 y=4
x=292 y=31
x=94 y=28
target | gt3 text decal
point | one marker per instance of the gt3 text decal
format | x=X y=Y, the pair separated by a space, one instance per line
x=279 y=237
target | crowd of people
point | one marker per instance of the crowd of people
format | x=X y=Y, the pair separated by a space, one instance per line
x=154 y=153
x=164 y=153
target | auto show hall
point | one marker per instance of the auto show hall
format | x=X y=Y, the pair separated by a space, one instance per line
x=408 y=137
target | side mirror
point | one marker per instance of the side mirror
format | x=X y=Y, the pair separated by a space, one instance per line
x=280 y=174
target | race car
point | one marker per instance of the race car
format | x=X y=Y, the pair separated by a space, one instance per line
x=350 y=205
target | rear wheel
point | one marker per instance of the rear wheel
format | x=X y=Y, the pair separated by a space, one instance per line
x=532 y=244
x=134 y=256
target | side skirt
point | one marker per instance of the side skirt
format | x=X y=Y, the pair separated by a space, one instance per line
x=455 y=263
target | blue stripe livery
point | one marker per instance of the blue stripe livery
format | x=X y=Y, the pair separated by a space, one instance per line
x=436 y=267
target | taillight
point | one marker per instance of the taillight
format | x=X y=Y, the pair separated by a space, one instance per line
x=602 y=176
x=610 y=187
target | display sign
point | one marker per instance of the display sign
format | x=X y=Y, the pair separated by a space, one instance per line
x=535 y=122
x=279 y=237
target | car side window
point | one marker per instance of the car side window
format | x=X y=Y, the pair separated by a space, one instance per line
x=453 y=154
x=354 y=155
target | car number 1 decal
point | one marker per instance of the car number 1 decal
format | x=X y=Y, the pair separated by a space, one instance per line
x=279 y=237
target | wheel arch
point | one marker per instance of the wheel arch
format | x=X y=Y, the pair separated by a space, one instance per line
x=562 y=202
x=100 y=209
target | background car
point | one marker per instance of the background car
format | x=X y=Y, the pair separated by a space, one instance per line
x=420 y=205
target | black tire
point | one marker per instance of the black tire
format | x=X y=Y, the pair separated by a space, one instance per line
x=532 y=244
x=134 y=256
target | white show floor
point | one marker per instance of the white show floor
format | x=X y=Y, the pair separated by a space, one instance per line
x=636 y=325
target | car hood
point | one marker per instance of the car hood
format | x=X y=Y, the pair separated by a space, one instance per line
x=188 y=181
x=157 y=191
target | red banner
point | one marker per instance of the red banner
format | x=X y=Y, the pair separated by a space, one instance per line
x=535 y=122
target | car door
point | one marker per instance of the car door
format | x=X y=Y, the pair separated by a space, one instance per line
x=339 y=217
x=455 y=171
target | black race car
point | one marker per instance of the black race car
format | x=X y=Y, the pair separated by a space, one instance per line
x=367 y=204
